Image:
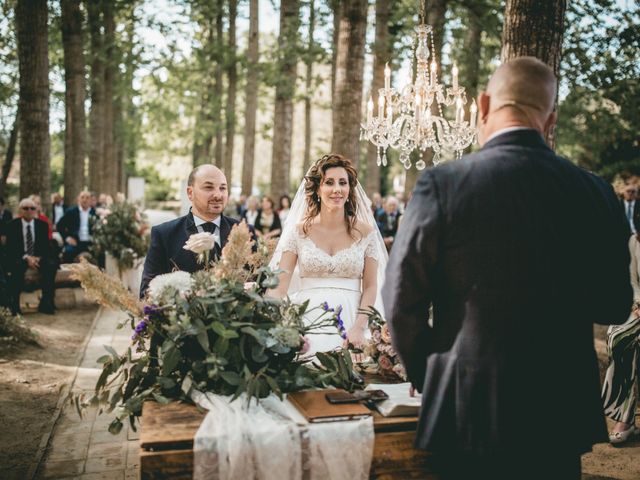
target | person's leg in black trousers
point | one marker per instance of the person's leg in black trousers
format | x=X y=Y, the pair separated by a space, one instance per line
x=15 y=284
x=47 y=269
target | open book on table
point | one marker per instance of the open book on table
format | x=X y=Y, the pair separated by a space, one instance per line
x=399 y=404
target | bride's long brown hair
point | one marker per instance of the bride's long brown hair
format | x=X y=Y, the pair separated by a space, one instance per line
x=313 y=180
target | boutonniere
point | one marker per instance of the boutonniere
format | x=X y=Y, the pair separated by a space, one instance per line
x=201 y=244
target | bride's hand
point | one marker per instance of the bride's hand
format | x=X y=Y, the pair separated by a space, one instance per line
x=355 y=337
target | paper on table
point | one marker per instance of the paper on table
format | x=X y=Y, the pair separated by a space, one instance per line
x=399 y=403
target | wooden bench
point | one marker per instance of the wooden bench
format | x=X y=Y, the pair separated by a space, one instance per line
x=63 y=279
x=167 y=432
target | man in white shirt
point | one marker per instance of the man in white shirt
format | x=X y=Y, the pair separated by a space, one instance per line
x=631 y=207
x=208 y=191
x=28 y=246
x=75 y=227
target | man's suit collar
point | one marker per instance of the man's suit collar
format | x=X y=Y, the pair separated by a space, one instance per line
x=225 y=226
x=522 y=138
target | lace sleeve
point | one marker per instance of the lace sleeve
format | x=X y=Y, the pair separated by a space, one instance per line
x=289 y=242
x=371 y=250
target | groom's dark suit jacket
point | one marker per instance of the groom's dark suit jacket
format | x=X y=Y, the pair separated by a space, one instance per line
x=496 y=242
x=166 y=252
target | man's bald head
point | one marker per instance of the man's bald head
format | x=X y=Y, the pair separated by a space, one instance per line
x=526 y=82
x=208 y=191
x=206 y=169
x=521 y=92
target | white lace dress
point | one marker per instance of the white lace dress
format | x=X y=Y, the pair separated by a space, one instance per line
x=335 y=279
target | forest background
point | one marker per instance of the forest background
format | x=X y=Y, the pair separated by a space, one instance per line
x=92 y=92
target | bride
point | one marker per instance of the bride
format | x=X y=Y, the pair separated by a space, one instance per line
x=331 y=251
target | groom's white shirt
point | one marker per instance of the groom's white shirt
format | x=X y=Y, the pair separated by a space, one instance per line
x=506 y=130
x=199 y=222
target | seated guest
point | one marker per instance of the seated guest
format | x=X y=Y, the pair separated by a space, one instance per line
x=388 y=221
x=28 y=246
x=57 y=208
x=41 y=216
x=251 y=213
x=5 y=214
x=283 y=210
x=75 y=227
x=241 y=206
x=268 y=222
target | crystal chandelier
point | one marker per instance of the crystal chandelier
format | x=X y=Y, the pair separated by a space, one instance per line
x=412 y=118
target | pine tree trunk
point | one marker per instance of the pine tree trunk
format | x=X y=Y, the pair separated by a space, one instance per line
x=308 y=93
x=435 y=13
x=285 y=90
x=534 y=28
x=336 y=8
x=251 y=99
x=217 y=99
x=10 y=154
x=110 y=166
x=347 y=102
x=75 y=118
x=472 y=51
x=382 y=55
x=97 y=112
x=232 y=77
x=33 y=103
x=205 y=123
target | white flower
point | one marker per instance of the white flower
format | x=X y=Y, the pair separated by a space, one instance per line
x=181 y=282
x=200 y=242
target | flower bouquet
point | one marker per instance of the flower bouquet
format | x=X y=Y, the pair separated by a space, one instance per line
x=212 y=331
x=380 y=350
x=121 y=231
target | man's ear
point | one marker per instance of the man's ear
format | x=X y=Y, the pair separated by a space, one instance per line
x=550 y=124
x=190 y=192
x=484 y=101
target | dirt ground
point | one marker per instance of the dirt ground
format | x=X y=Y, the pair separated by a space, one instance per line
x=31 y=377
x=30 y=381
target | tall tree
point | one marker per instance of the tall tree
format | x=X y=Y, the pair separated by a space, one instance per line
x=232 y=78
x=206 y=120
x=382 y=55
x=75 y=118
x=285 y=90
x=336 y=7
x=347 y=101
x=97 y=112
x=308 y=91
x=10 y=154
x=110 y=169
x=217 y=99
x=33 y=58
x=435 y=14
x=534 y=28
x=251 y=99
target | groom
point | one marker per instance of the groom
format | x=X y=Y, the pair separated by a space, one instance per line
x=495 y=243
x=209 y=193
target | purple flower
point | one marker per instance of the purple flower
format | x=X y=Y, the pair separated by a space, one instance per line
x=139 y=330
x=325 y=306
x=150 y=310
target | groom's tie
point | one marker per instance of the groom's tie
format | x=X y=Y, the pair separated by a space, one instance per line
x=211 y=228
x=629 y=212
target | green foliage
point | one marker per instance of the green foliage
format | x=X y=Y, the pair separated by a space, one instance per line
x=156 y=188
x=211 y=333
x=601 y=110
x=121 y=232
x=13 y=329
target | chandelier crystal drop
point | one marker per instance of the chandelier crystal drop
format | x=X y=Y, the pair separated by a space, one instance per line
x=412 y=118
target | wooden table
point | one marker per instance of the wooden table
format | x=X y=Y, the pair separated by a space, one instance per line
x=167 y=432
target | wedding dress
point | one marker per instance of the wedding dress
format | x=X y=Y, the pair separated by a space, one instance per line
x=335 y=279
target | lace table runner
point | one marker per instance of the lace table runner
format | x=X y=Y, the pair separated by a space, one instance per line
x=272 y=440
